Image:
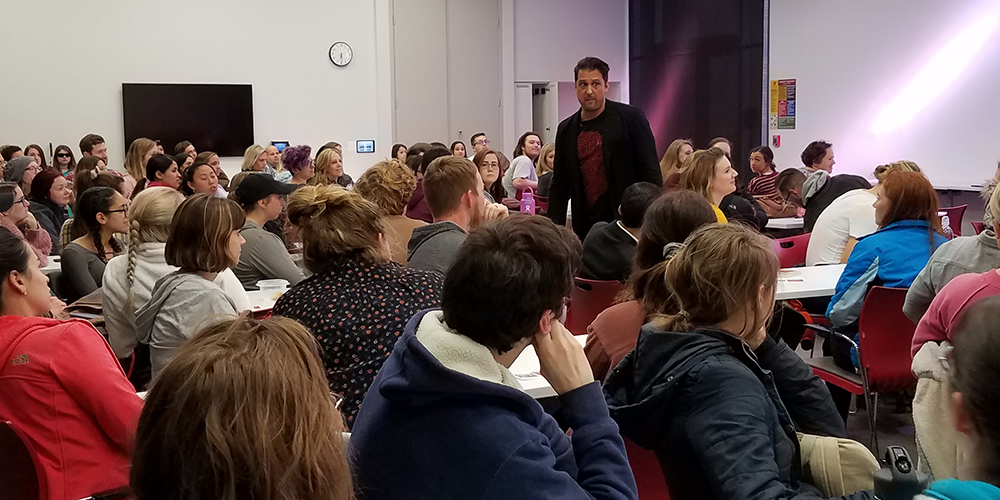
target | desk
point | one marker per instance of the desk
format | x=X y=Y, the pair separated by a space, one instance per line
x=53 y=265
x=785 y=223
x=525 y=370
x=262 y=302
x=806 y=282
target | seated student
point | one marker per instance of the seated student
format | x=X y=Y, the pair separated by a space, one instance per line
x=213 y=159
x=609 y=248
x=815 y=192
x=709 y=173
x=185 y=148
x=161 y=171
x=255 y=160
x=357 y=302
x=101 y=212
x=667 y=223
x=544 y=169
x=264 y=255
x=330 y=168
x=15 y=217
x=298 y=164
x=204 y=241
x=256 y=420
x=939 y=322
x=762 y=186
x=818 y=155
x=847 y=219
x=200 y=178
x=708 y=389
x=87 y=180
x=448 y=420
x=452 y=187
x=673 y=158
x=129 y=279
x=389 y=185
x=964 y=254
x=183 y=161
x=136 y=159
x=975 y=405
x=60 y=384
x=21 y=171
x=50 y=197
x=417 y=207
x=488 y=163
x=521 y=175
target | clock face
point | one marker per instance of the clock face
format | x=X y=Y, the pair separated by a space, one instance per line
x=341 y=54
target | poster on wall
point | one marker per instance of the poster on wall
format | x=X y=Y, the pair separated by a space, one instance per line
x=782 y=105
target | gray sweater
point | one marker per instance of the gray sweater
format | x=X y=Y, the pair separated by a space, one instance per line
x=180 y=305
x=82 y=271
x=962 y=255
x=264 y=257
x=432 y=247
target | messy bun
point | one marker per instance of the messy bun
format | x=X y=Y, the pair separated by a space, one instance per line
x=296 y=158
x=335 y=225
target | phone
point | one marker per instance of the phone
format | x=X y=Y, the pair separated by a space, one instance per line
x=281 y=145
x=366 y=146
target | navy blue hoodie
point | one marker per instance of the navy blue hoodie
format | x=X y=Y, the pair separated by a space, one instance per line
x=428 y=431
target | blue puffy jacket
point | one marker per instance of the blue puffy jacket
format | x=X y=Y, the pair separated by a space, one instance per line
x=891 y=256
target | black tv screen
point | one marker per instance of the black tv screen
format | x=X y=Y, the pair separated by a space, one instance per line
x=213 y=117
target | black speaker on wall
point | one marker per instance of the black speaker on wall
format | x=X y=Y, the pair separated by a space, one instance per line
x=696 y=68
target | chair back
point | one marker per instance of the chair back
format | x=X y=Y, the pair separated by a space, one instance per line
x=792 y=251
x=885 y=337
x=587 y=299
x=955 y=215
x=22 y=477
x=978 y=226
x=541 y=204
x=647 y=472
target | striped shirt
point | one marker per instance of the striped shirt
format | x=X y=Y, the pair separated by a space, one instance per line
x=763 y=184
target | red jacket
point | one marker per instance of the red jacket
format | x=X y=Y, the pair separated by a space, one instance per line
x=62 y=386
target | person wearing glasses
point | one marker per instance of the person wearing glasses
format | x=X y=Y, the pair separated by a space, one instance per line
x=100 y=213
x=15 y=217
x=64 y=161
x=479 y=143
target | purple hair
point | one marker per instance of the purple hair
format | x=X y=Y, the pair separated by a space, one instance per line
x=296 y=158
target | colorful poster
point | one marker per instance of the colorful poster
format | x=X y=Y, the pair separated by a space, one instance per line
x=782 y=105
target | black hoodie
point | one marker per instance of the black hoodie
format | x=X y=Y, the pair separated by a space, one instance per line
x=720 y=417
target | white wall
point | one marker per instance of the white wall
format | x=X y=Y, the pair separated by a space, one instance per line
x=851 y=58
x=73 y=60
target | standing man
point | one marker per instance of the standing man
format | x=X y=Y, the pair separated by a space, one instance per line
x=602 y=149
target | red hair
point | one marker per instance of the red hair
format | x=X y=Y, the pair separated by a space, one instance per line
x=911 y=197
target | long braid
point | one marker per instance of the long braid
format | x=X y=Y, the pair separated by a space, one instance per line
x=94 y=228
x=133 y=251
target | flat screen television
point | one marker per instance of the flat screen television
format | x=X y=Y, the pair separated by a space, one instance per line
x=214 y=117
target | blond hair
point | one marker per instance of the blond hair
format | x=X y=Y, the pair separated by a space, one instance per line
x=243 y=410
x=716 y=275
x=543 y=165
x=882 y=171
x=323 y=161
x=335 y=225
x=388 y=184
x=250 y=156
x=670 y=164
x=133 y=157
x=699 y=170
x=149 y=220
x=994 y=210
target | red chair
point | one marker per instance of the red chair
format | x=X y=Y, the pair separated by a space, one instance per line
x=541 y=204
x=955 y=215
x=883 y=352
x=22 y=477
x=587 y=300
x=792 y=251
x=978 y=226
x=647 y=472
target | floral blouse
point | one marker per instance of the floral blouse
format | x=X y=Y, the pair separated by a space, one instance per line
x=356 y=311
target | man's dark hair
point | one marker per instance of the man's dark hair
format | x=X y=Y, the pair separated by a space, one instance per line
x=8 y=152
x=89 y=141
x=472 y=140
x=506 y=275
x=590 y=64
x=432 y=154
x=814 y=152
x=975 y=370
x=636 y=200
x=789 y=178
x=437 y=144
x=181 y=146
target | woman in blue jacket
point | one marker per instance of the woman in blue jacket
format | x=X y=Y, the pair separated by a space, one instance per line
x=708 y=390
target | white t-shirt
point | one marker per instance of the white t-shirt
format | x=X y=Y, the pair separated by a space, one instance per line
x=522 y=167
x=850 y=215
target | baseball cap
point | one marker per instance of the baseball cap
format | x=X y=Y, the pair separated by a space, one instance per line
x=256 y=187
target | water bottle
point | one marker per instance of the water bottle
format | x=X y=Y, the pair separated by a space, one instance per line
x=946 y=227
x=528 y=202
x=899 y=480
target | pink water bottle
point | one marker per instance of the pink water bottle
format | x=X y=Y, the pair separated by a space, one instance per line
x=528 y=202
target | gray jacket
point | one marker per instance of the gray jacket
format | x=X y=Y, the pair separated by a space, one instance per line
x=432 y=247
x=962 y=255
x=180 y=305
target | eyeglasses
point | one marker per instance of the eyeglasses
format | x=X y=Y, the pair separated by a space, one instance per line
x=23 y=200
x=482 y=142
x=122 y=210
x=36 y=168
x=64 y=155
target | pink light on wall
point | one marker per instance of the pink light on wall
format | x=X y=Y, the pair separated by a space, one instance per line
x=936 y=75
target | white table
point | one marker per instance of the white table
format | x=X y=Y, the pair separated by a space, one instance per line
x=785 y=223
x=262 y=302
x=53 y=265
x=806 y=282
x=525 y=369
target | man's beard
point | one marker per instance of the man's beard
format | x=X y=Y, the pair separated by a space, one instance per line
x=477 y=218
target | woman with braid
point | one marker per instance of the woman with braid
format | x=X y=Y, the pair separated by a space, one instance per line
x=129 y=278
x=100 y=213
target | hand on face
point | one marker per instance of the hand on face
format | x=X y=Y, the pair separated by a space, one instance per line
x=561 y=358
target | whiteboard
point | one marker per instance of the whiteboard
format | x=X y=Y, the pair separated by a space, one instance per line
x=887 y=80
